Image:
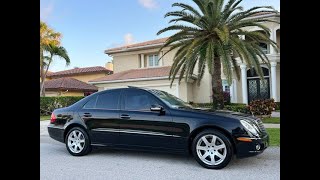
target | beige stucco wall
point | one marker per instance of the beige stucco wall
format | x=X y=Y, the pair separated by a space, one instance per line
x=55 y=93
x=123 y=62
x=202 y=93
x=131 y=60
x=183 y=92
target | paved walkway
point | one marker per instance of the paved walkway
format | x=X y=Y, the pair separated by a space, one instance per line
x=271 y=125
x=275 y=114
x=43 y=128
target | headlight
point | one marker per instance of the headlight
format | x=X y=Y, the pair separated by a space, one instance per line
x=249 y=127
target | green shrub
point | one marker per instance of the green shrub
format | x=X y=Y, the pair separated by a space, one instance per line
x=237 y=107
x=48 y=104
x=262 y=107
x=202 y=105
x=278 y=106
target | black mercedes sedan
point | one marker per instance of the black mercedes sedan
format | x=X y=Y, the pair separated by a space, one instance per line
x=154 y=120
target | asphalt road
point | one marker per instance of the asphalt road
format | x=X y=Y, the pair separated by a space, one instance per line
x=56 y=163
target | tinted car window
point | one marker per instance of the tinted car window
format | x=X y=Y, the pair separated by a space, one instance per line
x=138 y=100
x=108 y=100
x=91 y=103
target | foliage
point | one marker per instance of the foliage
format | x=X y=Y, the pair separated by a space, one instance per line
x=48 y=104
x=202 y=105
x=243 y=108
x=278 y=106
x=50 y=44
x=208 y=35
x=236 y=107
x=48 y=35
x=262 y=106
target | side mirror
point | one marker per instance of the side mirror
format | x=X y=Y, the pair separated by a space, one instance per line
x=156 y=108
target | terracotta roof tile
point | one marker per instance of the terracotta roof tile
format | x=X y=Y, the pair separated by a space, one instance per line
x=151 y=42
x=76 y=71
x=67 y=83
x=136 y=74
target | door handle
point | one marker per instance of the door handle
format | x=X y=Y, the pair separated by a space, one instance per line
x=125 y=116
x=87 y=115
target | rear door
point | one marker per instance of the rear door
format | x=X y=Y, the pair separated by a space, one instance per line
x=141 y=127
x=101 y=115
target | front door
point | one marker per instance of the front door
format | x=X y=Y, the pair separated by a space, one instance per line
x=139 y=126
x=258 y=89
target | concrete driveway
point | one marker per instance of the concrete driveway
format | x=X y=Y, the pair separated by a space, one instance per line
x=56 y=163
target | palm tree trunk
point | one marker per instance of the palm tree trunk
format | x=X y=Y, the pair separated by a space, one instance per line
x=41 y=73
x=216 y=82
x=42 y=89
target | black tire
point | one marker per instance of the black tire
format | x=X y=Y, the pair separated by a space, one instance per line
x=87 y=143
x=226 y=141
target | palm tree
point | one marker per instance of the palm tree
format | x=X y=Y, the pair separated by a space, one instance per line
x=47 y=36
x=53 y=51
x=208 y=37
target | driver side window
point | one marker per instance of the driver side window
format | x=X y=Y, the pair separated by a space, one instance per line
x=138 y=101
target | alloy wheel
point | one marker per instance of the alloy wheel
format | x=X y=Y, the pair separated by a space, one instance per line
x=76 y=141
x=211 y=149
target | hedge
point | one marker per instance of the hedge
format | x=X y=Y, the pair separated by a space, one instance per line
x=237 y=107
x=278 y=106
x=48 y=104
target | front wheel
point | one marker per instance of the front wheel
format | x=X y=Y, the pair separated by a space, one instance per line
x=78 y=142
x=212 y=149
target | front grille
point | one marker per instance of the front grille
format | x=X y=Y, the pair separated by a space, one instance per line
x=260 y=125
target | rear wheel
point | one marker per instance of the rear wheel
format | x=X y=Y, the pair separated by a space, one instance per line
x=78 y=142
x=212 y=149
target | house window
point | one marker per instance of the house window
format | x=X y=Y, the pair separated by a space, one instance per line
x=153 y=60
x=264 y=48
x=227 y=88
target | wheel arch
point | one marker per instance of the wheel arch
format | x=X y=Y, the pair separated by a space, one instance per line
x=196 y=131
x=67 y=129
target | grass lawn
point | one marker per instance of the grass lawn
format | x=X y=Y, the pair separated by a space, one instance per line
x=273 y=120
x=274 y=134
x=44 y=118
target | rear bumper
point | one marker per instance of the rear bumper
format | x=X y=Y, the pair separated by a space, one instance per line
x=56 y=132
x=257 y=146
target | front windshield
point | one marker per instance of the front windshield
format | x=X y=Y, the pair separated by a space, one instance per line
x=170 y=99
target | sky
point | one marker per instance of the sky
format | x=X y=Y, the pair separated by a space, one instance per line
x=90 y=27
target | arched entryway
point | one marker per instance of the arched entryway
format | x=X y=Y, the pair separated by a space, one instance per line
x=258 y=88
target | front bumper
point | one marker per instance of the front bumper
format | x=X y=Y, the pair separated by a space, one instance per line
x=56 y=132
x=247 y=149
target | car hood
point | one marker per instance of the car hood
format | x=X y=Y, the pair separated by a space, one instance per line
x=224 y=113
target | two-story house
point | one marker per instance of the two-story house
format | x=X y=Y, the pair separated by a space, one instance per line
x=138 y=65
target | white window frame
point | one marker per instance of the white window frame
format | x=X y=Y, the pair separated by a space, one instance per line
x=153 y=60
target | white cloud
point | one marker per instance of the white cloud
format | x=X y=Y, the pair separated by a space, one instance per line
x=46 y=12
x=149 y=4
x=128 y=39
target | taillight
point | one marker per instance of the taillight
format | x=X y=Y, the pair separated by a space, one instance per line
x=53 y=118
